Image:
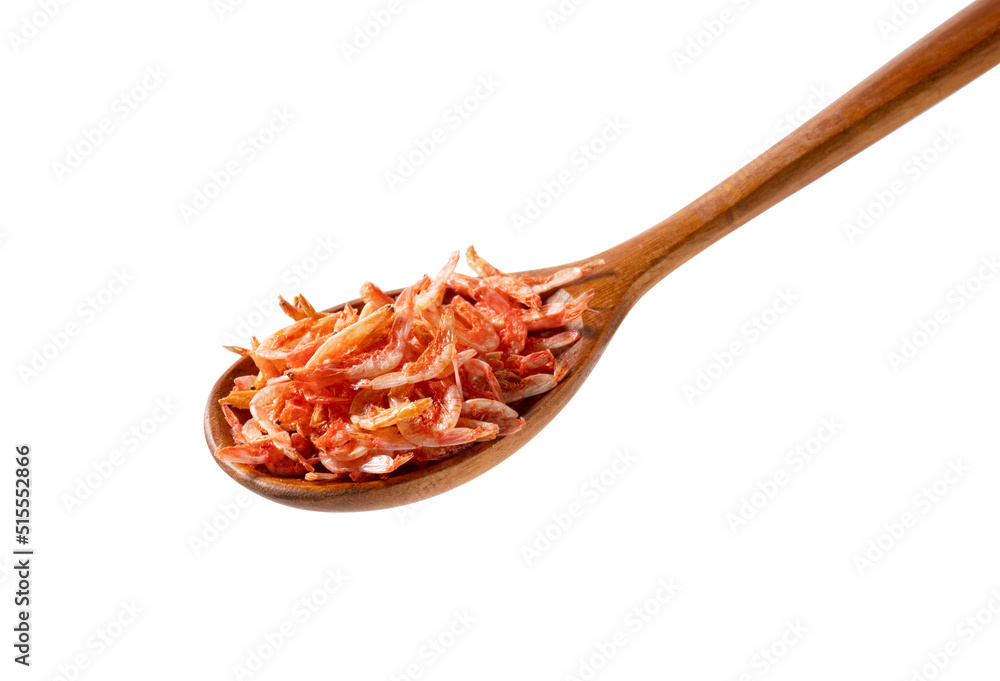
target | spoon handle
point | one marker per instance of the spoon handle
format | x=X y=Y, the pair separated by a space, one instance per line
x=954 y=54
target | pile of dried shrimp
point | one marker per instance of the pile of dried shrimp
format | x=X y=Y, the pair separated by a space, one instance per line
x=407 y=380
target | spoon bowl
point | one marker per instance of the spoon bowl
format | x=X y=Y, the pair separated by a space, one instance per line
x=947 y=59
x=417 y=484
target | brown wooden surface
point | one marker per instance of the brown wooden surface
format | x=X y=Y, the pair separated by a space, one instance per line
x=956 y=53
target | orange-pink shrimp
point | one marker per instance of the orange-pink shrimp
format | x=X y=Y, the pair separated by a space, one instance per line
x=537 y=362
x=375 y=362
x=244 y=382
x=300 y=308
x=492 y=411
x=374 y=463
x=287 y=467
x=556 y=314
x=432 y=362
x=562 y=277
x=278 y=345
x=240 y=452
x=269 y=401
x=388 y=439
x=436 y=426
x=368 y=413
x=381 y=464
x=490 y=276
x=350 y=337
x=479 y=265
x=504 y=316
x=478 y=379
x=520 y=387
x=282 y=440
x=434 y=293
x=370 y=293
x=569 y=356
x=476 y=331
x=463 y=284
x=514 y=288
x=553 y=342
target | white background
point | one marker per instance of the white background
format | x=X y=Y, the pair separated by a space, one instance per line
x=209 y=597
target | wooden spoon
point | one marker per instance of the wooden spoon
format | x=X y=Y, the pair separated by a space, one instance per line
x=957 y=52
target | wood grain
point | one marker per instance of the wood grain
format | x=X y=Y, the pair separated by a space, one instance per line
x=950 y=57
